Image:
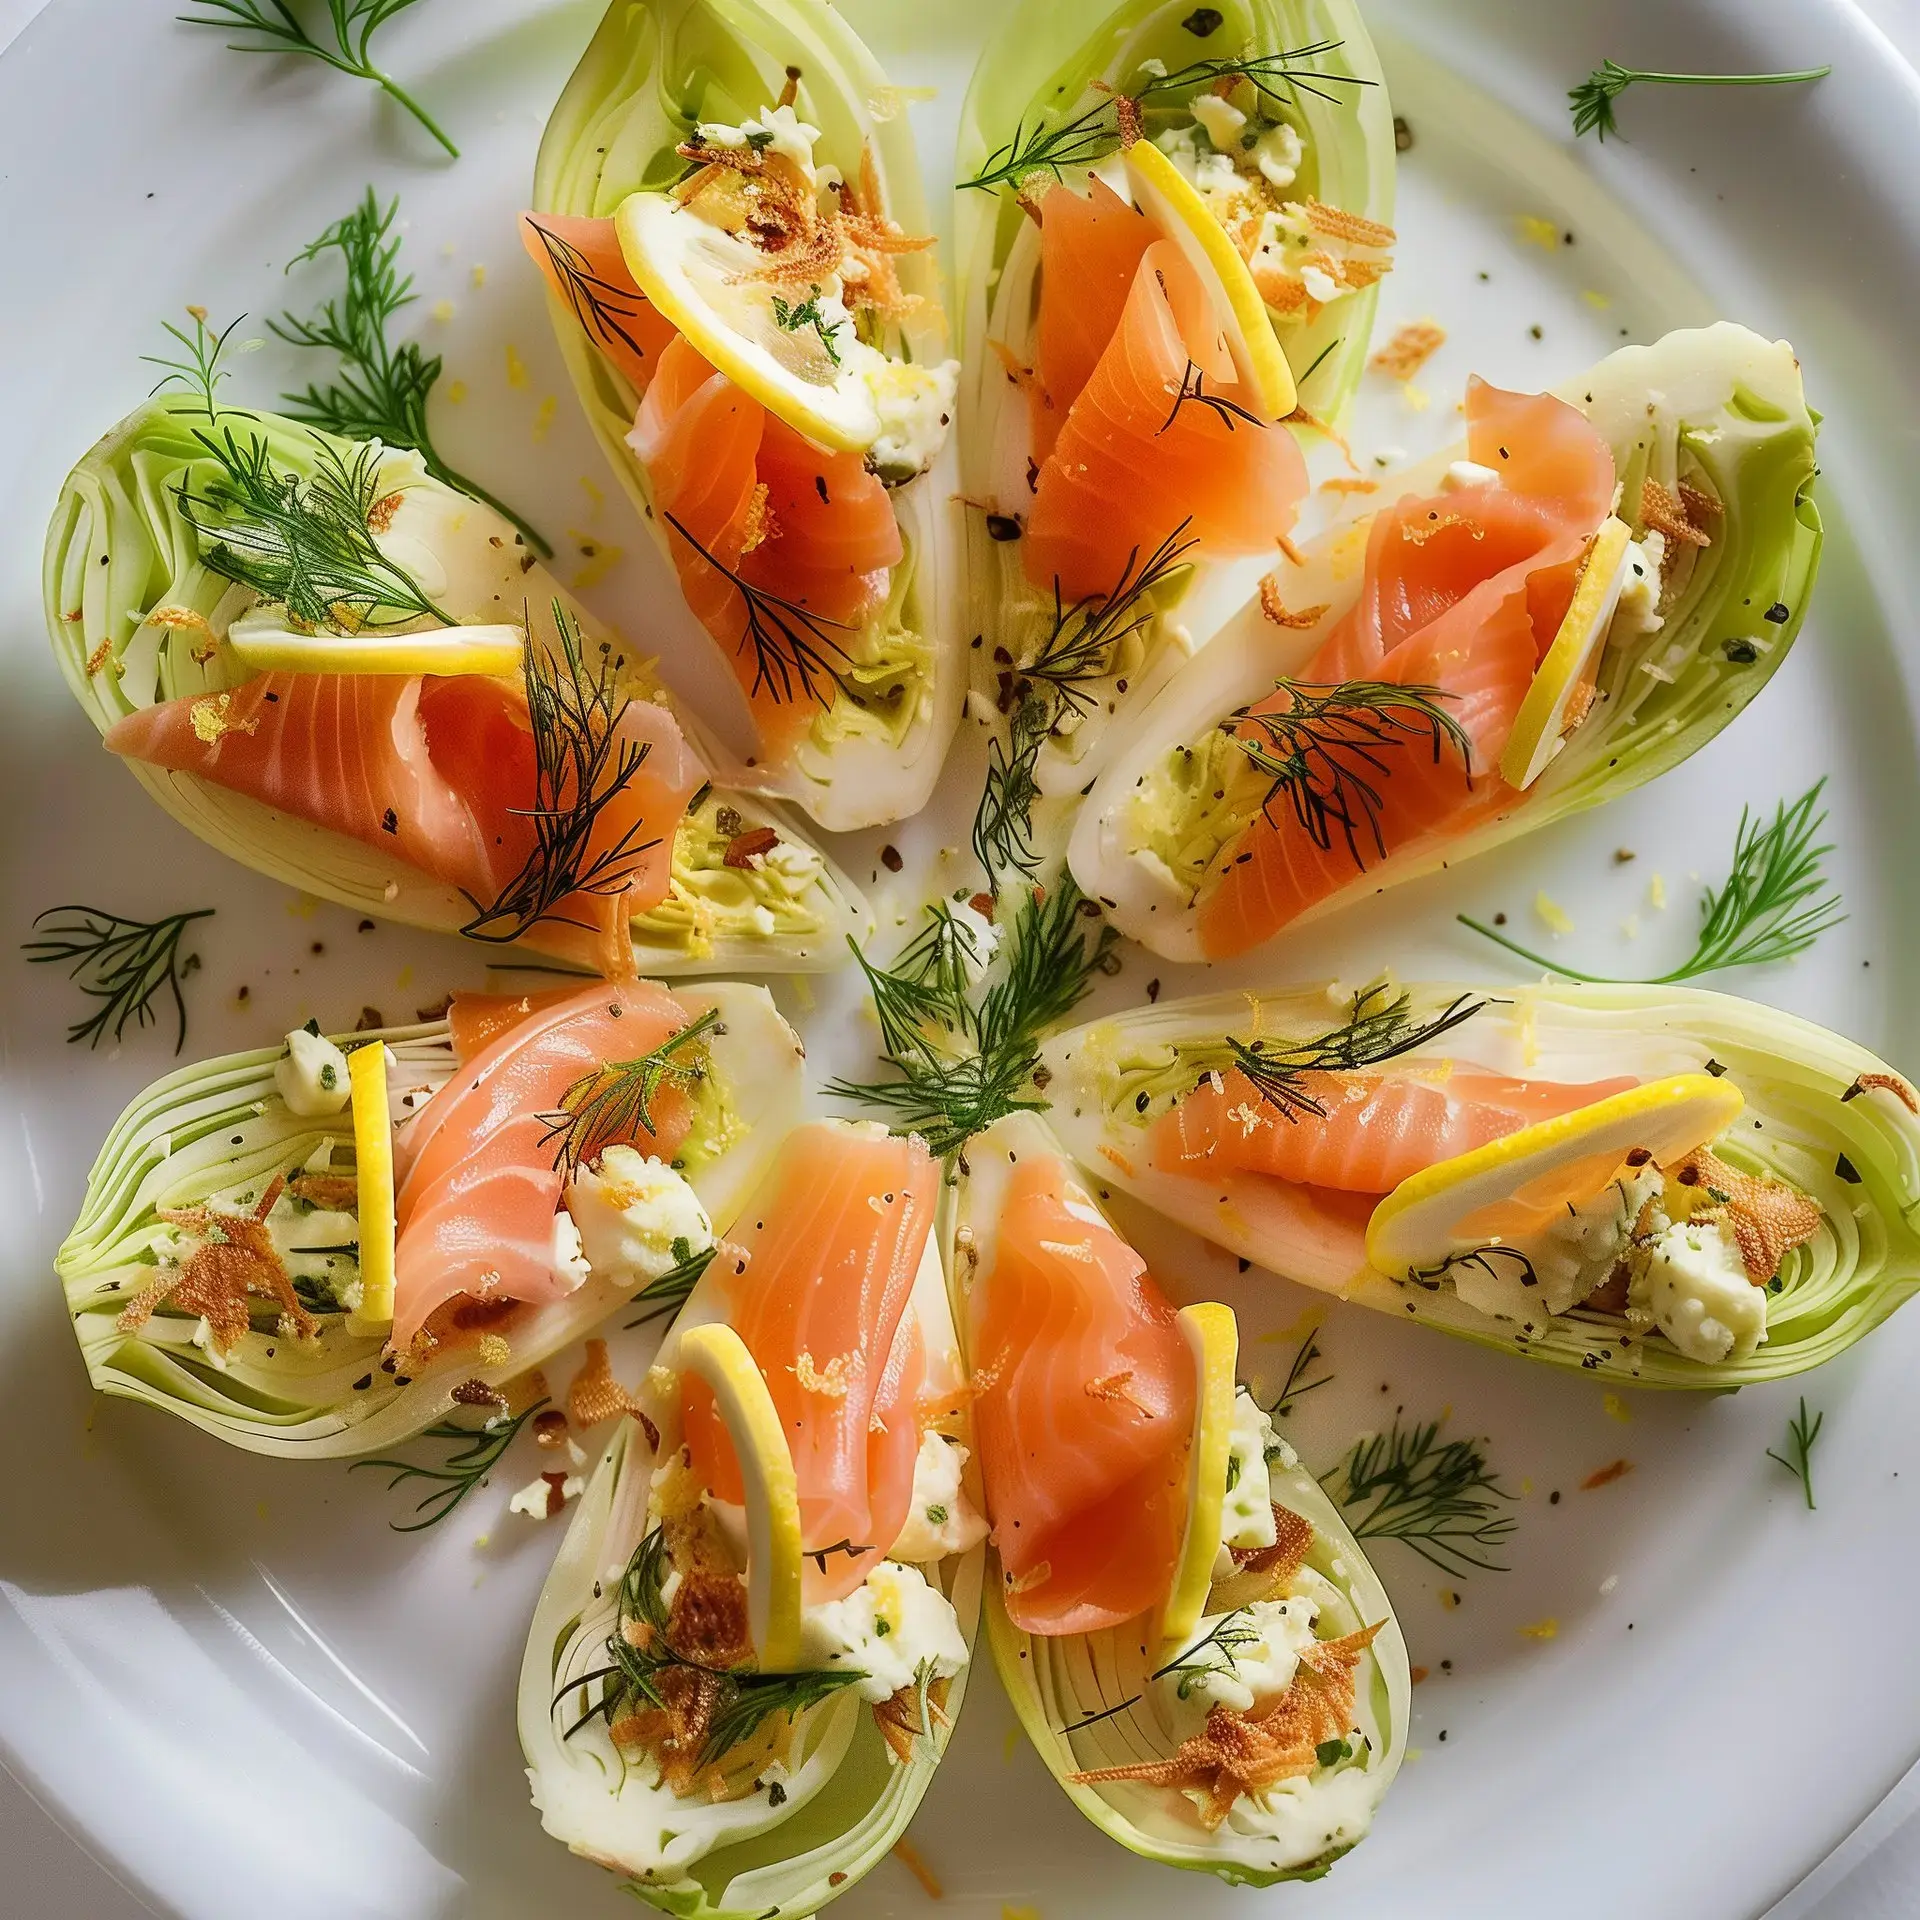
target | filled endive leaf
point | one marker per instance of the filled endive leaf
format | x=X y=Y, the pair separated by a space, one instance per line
x=1563 y=608
x=236 y=1262
x=746 y=1662
x=1655 y=1184
x=205 y=560
x=728 y=214
x=1190 y=1634
x=1174 y=226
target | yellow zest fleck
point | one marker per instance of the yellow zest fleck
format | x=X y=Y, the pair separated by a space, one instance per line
x=593 y=493
x=760 y=524
x=1546 y=1629
x=1119 y=1160
x=1449 y=1599
x=1657 y=893
x=443 y=311
x=177 y=617
x=457 y=391
x=480 y=275
x=544 y=417
x=600 y=556
x=1009 y=1746
x=1616 y=1408
x=1553 y=916
x=1416 y=533
x=1019 y=1913
x=494 y=1350
x=1418 y=399
x=1599 y=302
x=888 y=103
x=1538 y=232
x=303 y=906
x=212 y=717
x=910 y=1857
x=516 y=367
x=1035 y=1576
x=1293 y=554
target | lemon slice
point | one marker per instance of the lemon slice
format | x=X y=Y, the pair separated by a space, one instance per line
x=373 y=1158
x=709 y=283
x=496 y=651
x=1213 y=1338
x=716 y=1354
x=1171 y=201
x=1514 y=1187
x=1542 y=717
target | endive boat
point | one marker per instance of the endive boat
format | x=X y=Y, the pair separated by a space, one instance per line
x=1176 y=223
x=1656 y=1184
x=728 y=214
x=1189 y=1632
x=329 y=664
x=322 y=1249
x=1572 y=601
x=745 y=1664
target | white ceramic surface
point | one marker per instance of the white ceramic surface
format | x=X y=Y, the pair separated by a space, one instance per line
x=250 y=1697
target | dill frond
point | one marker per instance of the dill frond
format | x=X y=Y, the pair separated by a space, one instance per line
x=381 y=390
x=473 y=1453
x=1798 y=1459
x=607 y=313
x=1212 y=1654
x=1297 y=1384
x=125 y=965
x=668 y=1294
x=1775 y=904
x=1592 y=100
x=1003 y=821
x=200 y=372
x=613 y=1105
x=1437 y=1496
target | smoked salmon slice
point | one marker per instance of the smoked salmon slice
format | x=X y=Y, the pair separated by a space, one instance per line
x=477 y=1184
x=1083 y=1410
x=1463 y=591
x=819 y=1274
x=1160 y=432
x=581 y=262
x=1377 y=1129
x=439 y=772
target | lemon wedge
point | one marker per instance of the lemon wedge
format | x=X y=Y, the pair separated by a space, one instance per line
x=1542 y=717
x=1171 y=201
x=373 y=1158
x=495 y=651
x=716 y=1354
x=791 y=347
x=1514 y=1187
x=1213 y=1338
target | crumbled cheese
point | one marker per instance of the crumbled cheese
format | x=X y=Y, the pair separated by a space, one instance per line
x=762 y=920
x=941 y=1520
x=915 y=404
x=780 y=130
x=1320 y=284
x=1464 y=475
x=1278 y=153
x=1639 y=606
x=1235 y=1672
x=541 y=1499
x=887 y=1629
x=569 y=1262
x=1223 y=121
x=1246 y=1515
x=794 y=866
x=984 y=936
x=1690 y=1282
x=1567 y=1261
x=312 y=1077
x=637 y=1217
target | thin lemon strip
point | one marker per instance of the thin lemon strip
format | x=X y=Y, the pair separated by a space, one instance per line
x=493 y=651
x=1537 y=727
x=373 y=1157
x=684 y=265
x=1213 y=1338
x=716 y=1354
x=1171 y=201
x=1515 y=1185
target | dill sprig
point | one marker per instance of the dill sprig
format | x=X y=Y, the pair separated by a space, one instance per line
x=1777 y=901
x=1095 y=131
x=381 y=391
x=1193 y=388
x=797 y=316
x=606 y=313
x=1214 y=1653
x=200 y=371
x=1798 y=1459
x=1003 y=821
x=668 y=1294
x=613 y=1105
x=640 y=1655
x=354 y=24
x=1379 y=1026
x=581 y=766
x=126 y=965
x=1592 y=100
x=1437 y=1496
x=1297 y=1385
x=794 y=651
x=959 y=1066
x=1331 y=744
x=473 y=1453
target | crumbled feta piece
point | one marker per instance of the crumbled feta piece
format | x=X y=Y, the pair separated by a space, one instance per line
x=1246 y=1517
x=1557 y=1268
x=780 y=130
x=887 y=1629
x=637 y=1217
x=763 y=921
x=1690 y=1282
x=1223 y=121
x=1239 y=1660
x=312 y=1076
x=541 y=1499
x=984 y=937
x=1464 y=475
x=569 y=1261
x=915 y=404
x=794 y=866
x=941 y=1520
x=1320 y=284
x=1640 y=595
x=1277 y=153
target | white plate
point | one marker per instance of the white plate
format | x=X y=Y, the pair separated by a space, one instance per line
x=252 y=1698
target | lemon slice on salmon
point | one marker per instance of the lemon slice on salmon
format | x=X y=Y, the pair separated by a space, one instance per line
x=790 y=345
x=373 y=1161
x=495 y=651
x=716 y=1354
x=1515 y=1187
x=1172 y=202
x=1538 y=725
x=1213 y=1339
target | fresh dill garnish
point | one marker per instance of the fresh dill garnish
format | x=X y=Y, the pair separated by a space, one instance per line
x=354 y=24
x=1296 y=1385
x=200 y=371
x=960 y=1066
x=1193 y=387
x=473 y=1453
x=794 y=651
x=1798 y=1459
x=606 y=313
x=640 y=1656
x=1776 y=902
x=1437 y=1496
x=613 y=1105
x=582 y=764
x=1592 y=100
x=1214 y=1653
x=381 y=390
x=1095 y=131
x=1490 y=1260
x=1003 y=821
x=123 y=964
x=1319 y=359
x=1326 y=749
x=1380 y=1026
x=796 y=316
x=668 y=1293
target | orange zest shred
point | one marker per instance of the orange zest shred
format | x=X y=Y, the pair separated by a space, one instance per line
x=1349 y=484
x=1410 y=349
x=1605 y=1476
x=1275 y=608
x=1666 y=513
x=909 y=1857
x=99 y=657
x=1887 y=1083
